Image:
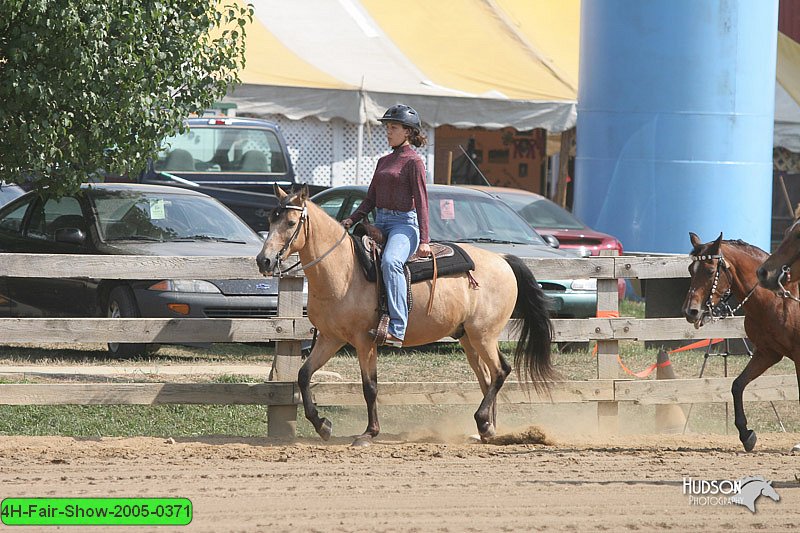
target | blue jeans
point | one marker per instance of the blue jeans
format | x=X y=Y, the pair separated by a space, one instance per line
x=402 y=239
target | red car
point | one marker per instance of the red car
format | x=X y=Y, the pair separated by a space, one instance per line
x=548 y=218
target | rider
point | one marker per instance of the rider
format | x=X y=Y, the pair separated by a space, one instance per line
x=398 y=191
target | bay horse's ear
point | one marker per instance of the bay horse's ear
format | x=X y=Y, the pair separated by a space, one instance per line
x=797 y=212
x=715 y=245
x=278 y=191
x=304 y=192
x=694 y=239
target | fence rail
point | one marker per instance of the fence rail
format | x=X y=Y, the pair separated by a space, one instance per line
x=290 y=328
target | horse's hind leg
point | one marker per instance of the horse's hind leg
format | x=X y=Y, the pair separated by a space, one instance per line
x=760 y=361
x=481 y=372
x=323 y=350
x=498 y=369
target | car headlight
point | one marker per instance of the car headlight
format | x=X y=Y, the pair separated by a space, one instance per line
x=184 y=285
x=584 y=284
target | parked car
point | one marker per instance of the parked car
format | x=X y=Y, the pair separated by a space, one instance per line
x=235 y=160
x=130 y=219
x=549 y=218
x=463 y=215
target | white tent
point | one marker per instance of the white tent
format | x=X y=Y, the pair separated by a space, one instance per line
x=491 y=63
x=787 y=95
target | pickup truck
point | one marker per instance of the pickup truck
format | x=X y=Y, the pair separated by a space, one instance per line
x=235 y=160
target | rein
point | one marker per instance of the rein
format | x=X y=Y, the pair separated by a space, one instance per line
x=280 y=272
x=722 y=309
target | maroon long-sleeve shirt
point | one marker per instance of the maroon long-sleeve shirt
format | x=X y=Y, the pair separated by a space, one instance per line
x=398 y=184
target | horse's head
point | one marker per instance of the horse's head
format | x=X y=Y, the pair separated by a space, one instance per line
x=708 y=290
x=776 y=271
x=288 y=227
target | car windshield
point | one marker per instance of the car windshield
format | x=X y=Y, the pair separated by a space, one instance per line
x=222 y=149
x=542 y=213
x=469 y=218
x=147 y=216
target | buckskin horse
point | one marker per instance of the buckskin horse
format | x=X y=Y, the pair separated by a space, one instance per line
x=342 y=306
x=721 y=269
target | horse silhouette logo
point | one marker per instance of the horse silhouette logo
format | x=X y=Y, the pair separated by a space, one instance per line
x=752 y=488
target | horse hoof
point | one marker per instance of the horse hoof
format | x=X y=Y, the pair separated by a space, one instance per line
x=488 y=433
x=325 y=429
x=362 y=441
x=749 y=442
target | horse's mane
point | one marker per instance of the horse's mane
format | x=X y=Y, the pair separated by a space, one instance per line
x=749 y=249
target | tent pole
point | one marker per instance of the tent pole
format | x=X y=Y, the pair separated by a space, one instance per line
x=359 y=152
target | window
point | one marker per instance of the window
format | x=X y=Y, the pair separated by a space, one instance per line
x=12 y=222
x=223 y=149
x=55 y=214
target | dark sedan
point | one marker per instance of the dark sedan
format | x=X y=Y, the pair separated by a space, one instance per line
x=130 y=219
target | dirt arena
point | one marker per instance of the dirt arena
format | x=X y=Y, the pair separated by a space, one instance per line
x=627 y=483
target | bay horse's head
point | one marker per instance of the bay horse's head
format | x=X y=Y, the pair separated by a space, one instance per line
x=288 y=230
x=776 y=271
x=709 y=291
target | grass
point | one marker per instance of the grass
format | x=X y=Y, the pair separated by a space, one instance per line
x=442 y=362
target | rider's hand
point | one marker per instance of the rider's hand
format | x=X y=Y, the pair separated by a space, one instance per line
x=347 y=223
x=424 y=250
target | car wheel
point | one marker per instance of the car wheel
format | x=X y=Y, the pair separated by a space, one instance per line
x=122 y=304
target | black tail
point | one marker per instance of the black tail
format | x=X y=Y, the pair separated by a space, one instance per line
x=536 y=333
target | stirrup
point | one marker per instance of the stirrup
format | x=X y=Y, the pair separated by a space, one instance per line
x=385 y=340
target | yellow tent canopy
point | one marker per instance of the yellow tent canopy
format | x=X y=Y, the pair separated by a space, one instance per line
x=491 y=63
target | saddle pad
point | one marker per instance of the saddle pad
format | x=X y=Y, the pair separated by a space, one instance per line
x=421 y=268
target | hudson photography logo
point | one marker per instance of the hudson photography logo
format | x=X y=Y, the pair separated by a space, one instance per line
x=744 y=491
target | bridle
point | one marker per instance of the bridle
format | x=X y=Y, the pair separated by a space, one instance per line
x=783 y=292
x=722 y=308
x=786 y=272
x=302 y=223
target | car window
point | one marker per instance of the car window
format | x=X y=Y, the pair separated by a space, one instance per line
x=53 y=215
x=456 y=217
x=332 y=204
x=222 y=149
x=542 y=213
x=134 y=215
x=11 y=222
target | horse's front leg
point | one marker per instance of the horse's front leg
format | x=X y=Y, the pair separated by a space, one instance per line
x=323 y=350
x=368 y=361
x=760 y=361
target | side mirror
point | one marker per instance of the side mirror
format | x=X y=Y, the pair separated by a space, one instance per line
x=70 y=236
x=551 y=241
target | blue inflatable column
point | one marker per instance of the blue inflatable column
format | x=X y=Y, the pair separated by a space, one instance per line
x=675 y=117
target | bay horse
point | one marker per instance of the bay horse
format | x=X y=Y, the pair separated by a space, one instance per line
x=721 y=269
x=777 y=269
x=343 y=306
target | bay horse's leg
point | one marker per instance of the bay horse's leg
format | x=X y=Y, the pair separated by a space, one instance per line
x=759 y=362
x=368 y=362
x=323 y=350
x=481 y=371
x=499 y=369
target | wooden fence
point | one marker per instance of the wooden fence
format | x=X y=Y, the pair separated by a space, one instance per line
x=290 y=328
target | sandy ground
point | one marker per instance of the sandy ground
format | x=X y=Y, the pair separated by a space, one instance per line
x=626 y=483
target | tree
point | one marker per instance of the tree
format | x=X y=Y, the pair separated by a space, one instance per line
x=90 y=86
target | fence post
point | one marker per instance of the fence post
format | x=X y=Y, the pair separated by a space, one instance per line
x=607 y=350
x=282 y=419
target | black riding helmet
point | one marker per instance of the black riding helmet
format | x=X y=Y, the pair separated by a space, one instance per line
x=405 y=115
